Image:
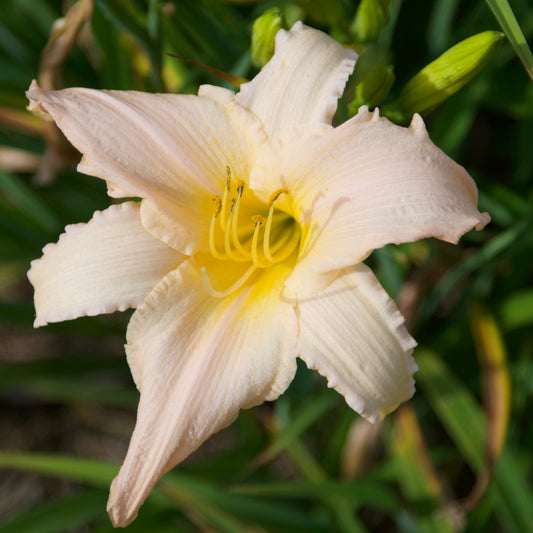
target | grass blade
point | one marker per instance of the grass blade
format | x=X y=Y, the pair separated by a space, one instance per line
x=463 y=418
x=505 y=16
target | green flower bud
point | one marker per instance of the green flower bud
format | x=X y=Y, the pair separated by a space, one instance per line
x=370 y=18
x=373 y=89
x=444 y=76
x=263 y=35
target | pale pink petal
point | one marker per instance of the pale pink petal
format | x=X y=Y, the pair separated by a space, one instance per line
x=197 y=360
x=366 y=184
x=171 y=149
x=302 y=82
x=353 y=334
x=109 y=264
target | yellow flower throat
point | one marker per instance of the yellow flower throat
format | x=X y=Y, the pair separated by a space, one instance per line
x=263 y=241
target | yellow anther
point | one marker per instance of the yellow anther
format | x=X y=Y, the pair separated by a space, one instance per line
x=275 y=195
x=227 y=191
x=230 y=290
x=218 y=202
x=228 y=177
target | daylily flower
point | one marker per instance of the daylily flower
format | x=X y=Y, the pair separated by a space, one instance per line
x=246 y=250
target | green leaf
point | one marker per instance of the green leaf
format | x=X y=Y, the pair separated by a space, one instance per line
x=495 y=248
x=361 y=492
x=21 y=198
x=416 y=474
x=61 y=515
x=505 y=16
x=247 y=508
x=219 y=507
x=114 y=71
x=463 y=418
x=300 y=420
x=94 y=473
x=517 y=309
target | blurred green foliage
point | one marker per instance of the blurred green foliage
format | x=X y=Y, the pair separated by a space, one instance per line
x=280 y=467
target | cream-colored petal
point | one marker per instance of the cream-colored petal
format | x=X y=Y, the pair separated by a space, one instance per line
x=197 y=360
x=171 y=149
x=109 y=264
x=369 y=183
x=353 y=334
x=302 y=82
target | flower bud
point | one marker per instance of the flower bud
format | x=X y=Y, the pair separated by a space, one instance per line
x=263 y=35
x=444 y=76
x=370 y=18
x=373 y=89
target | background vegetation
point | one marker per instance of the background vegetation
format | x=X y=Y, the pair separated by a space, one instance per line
x=456 y=458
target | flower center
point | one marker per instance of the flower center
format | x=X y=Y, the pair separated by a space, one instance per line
x=266 y=238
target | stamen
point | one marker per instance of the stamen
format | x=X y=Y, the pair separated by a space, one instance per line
x=227 y=242
x=275 y=195
x=266 y=240
x=230 y=290
x=217 y=201
x=212 y=247
x=228 y=177
x=234 y=221
x=258 y=222
x=227 y=190
x=261 y=255
x=228 y=239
